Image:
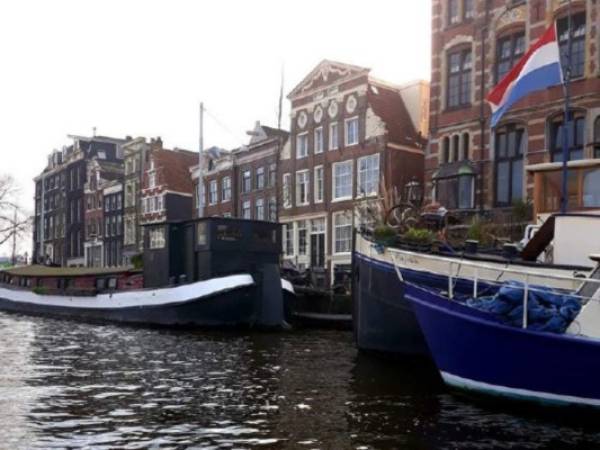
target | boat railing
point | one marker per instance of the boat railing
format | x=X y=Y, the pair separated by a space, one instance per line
x=454 y=272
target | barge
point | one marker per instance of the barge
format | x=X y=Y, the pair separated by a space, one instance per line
x=207 y=272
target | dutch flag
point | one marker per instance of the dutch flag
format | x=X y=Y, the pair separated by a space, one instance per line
x=538 y=69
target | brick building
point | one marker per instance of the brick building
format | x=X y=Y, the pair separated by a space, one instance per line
x=99 y=174
x=352 y=139
x=470 y=167
x=243 y=183
x=136 y=154
x=59 y=225
x=167 y=188
x=113 y=223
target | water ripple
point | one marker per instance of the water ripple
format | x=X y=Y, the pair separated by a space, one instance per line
x=71 y=385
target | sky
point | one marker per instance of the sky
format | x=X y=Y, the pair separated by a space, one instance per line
x=140 y=68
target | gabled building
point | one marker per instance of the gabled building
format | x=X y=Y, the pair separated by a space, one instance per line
x=136 y=154
x=59 y=225
x=352 y=140
x=167 y=189
x=471 y=168
x=100 y=173
x=243 y=183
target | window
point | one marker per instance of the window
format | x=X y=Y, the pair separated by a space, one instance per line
x=465 y=146
x=453 y=15
x=273 y=209
x=342 y=180
x=342 y=232
x=157 y=237
x=246 y=211
x=302 y=180
x=319 y=184
x=260 y=178
x=302 y=145
x=577 y=43
x=226 y=189
x=456 y=192
x=508 y=51
x=352 y=131
x=583 y=189
x=575 y=138
x=459 y=78
x=246 y=181
x=288 y=241
x=272 y=175
x=446 y=150
x=455 y=147
x=301 y=226
x=319 y=140
x=259 y=207
x=368 y=175
x=287 y=194
x=212 y=192
x=468 y=10
x=510 y=147
x=597 y=138
x=333 y=136
x=151 y=179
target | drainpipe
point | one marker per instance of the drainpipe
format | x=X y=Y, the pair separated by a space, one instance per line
x=482 y=118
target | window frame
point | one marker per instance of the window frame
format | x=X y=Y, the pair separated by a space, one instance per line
x=347 y=122
x=334 y=166
x=360 y=174
x=213 y=192
x=319 y=189
x=318 y=146
x=334 y=133
x=504 y=156
x=305 y=173
x=304 y=138
x=348 y=246
x=460 y=75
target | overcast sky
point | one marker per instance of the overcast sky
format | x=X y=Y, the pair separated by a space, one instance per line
x=140 y=68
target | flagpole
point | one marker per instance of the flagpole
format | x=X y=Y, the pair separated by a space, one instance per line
x=201 y=163
x=566 y=122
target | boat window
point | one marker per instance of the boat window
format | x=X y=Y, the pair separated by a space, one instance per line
x=112 y=283
x=201 y=233
x=228 y=233
x=157 y=237
x=591 y=189
x=100 y=284
x=265 y=236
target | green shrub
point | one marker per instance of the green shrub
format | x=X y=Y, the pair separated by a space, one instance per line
x=384 y=234
x=41 y=290
x=419 y=236
x=137 y=261
x=475 y=231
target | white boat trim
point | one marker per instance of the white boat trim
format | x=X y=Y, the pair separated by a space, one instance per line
x=287 y=286
x=133 y=298
x=524 y=394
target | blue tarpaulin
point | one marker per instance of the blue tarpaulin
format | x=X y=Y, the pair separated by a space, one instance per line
x=548 y=309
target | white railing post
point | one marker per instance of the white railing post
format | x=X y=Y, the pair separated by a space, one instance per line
x=475 y=283
x=450 y=283
x=525 y=298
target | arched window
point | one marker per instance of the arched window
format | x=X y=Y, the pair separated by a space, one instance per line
x=577 y=42
x=575 y=141
x=511 y=143
x=597 y=138
x=446 y=150
x=455 y=147
x=458 y=83
x=509 y=49
x=465 y=146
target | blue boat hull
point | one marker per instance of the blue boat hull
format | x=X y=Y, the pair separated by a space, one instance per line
x=474 y=352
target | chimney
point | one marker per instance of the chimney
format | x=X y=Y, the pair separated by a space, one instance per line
x=156 y=144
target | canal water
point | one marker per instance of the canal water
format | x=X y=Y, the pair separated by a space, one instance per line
x=70 y=385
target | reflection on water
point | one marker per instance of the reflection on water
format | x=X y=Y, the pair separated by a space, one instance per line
x=70 y=385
